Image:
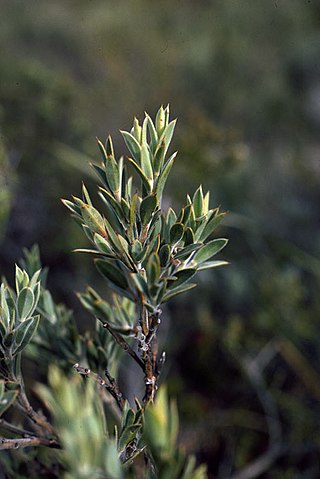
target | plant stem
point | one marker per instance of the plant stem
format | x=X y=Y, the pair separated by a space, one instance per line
x=124 y=345
x=27 y=442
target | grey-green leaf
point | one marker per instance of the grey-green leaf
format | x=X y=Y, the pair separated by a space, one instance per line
x=147 y=208
x=24 y=333
x=176 y=233
x=175 y=291
x=25 y=303
x=209 y=250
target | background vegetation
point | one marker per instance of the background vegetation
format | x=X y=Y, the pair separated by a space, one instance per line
x=243 y=78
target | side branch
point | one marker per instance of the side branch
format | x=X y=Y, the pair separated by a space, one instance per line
x=124 y=345
x=26 y=442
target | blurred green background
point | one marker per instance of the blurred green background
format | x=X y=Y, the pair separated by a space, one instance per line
x=243 y=78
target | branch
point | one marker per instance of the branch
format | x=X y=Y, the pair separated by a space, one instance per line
x=36 y=418
x=26 y=442
x=112 y=387
x=124 y=345
x=16 y=430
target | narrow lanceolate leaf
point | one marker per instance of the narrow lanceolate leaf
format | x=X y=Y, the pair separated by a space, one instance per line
x=72 y=207
x=7 y=399
x=153 y=133
x=136 y=130
x=198 y=202
x=211 y=225
x=175 y=291
x=160 y=121
x=188 y=236
x=140 y=283
x=132 y=144
x=103 y=245
x=167 y=135
x=109 y=147
x=185 y=252
x=146 y=165
x=153 y=269
x=182 y=276
x=25 y=303
x=176 y=233
x=85 y=195
x=24 y=333
x=112 y=174
x=164 y=175
x=209 y=250
x=211 y=264
x=101 y=173
x=93 y=219
x=102 y=149
x=114 y=277
x=164 y=255
x=141 y=174
x=159 y=156
x=137 y=250
x=147 y=208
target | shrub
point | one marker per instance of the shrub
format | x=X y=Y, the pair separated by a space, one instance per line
x=147 y=258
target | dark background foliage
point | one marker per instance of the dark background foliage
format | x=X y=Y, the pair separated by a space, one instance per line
x=243 y=78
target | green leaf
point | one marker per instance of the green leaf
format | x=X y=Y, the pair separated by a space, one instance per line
x=183 y=253
x=143 y=177
x=25 y=303
x=164 y=175
x=188 y=236
x=93 y=219
x=211 y=264
x=7 y=399
x=209 y=250
x=127 y=435
x=211 y=225
x=136 y=130
x=132 y=145
x=114 y=276
x=3 y=331
x=175 y=291
x=160 y=121
x=168 y=133
x=164 y=255
x=140 y=283
x=22 y=279
x=100 y=173
x=176 y=233
x=182 y=277
x=198 y=202
x=109 y=147
x=146 y=165
x=24 y=333
x=103 y=245
x=137 y=250
x=85 y=195
x=153 y=269
x=147 y=208
x=153 y=133
x=112 y=174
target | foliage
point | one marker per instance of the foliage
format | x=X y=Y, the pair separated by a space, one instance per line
x=147 y=257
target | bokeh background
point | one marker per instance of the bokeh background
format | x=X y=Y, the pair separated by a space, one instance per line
x=243 y=78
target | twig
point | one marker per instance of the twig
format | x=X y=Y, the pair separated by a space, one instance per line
x=124 y=345
x=27 y=441
x=16 y=430
x=114 y=389
x=36 y=418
